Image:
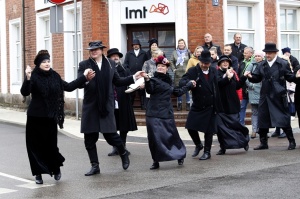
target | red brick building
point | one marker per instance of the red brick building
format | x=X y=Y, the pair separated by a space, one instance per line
x=25 y=29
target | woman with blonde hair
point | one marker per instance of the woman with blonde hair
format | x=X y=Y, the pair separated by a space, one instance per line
x=193 y=61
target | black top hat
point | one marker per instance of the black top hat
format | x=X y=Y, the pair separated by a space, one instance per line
x=136 y=42
x=152 y=41
x=223 y=58
x=95 y=44
x=205 y=57
x=113 y=51
x=270 y=47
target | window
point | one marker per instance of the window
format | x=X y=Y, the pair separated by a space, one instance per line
x=289 y=30
x=43 y=35
x=239 y=19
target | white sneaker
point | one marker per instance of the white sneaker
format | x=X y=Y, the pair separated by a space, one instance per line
x=292 y=118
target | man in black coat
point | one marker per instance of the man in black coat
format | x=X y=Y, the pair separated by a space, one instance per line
x=294 y=61
x=99 y=105
x=273 y=105
x=125 y=119
x=206 y=103
x=208 y=44
x=234 y=60
x=237 y=47
x=134 y=60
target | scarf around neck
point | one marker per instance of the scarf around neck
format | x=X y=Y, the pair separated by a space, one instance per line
x=181 y=55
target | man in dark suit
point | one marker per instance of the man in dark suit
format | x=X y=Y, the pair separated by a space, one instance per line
x=134 y=60
x=206 y=103
x=228 y=51
x=208 y=44
x=237 y=47
x=99 y=105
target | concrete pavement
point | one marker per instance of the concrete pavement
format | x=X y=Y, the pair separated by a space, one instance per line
x=72 y=126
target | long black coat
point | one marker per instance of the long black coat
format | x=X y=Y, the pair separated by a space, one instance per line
x=126 y=118
x=297 y=95
x=91 y=121
x=133 y=62
x=206 y=100
x=273 y=108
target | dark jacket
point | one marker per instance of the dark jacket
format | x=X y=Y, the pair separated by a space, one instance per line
x=206 y=100
x=91 y=121
x=228 y=94
x=126 y=118
x=133 y=62
x=294 y=61
x=273 y=106
x=235 y=63
x=238 y=52
x=206 y=47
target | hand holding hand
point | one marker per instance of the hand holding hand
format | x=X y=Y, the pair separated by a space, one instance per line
x=248 y=74
x=139 y=74
x=89 y=74
x=298 y=74
x=194 y=83
x=229 y=73
x=28 y=72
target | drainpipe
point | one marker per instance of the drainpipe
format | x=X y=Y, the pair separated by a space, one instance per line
x=23 y=43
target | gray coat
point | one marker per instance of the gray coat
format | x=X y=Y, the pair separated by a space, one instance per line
x=91 y=121
x=253 y=88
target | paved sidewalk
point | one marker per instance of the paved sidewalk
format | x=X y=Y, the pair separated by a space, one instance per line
x=72 y=126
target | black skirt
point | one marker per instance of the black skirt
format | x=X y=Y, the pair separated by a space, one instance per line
x=164 y=141
x=41 y=144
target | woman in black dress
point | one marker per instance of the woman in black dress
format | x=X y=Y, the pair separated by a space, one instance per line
x=45 y=112
x=164 y=141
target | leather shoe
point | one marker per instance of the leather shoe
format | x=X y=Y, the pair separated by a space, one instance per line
x=155 y=165
x=180 y=161
x=282 y=135
x=261 y=147
x=125 y=160
x=292 y=145
x=39 y=179
x=221 y=152
x=198 y=148
x=57 y=175
x=114 y=152
x=94 y=170
x=275 y=134
x=206 y=155
x=246 y=147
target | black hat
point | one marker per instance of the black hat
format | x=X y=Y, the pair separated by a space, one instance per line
x=270 y=47
x=223 y=58
x=152 y=41
x=205 y=56
x=40 y=57
x=113 y=51
x=286 y=49
x=95 y=44
x=136 y=42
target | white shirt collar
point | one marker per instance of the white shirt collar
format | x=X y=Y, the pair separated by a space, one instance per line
x=272 y=62
x=205 y=72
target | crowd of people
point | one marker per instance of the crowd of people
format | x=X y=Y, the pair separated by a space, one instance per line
x=218 y=88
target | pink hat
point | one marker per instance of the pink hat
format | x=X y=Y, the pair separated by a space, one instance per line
x=259 y=53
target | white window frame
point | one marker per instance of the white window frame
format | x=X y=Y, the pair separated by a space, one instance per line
x=16 y=70
x=41 y=38
x=70 y=70
x=3 y=48
x=258 y=26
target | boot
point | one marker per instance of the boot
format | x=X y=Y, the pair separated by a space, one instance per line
x=198 y=148
x=125 y=160
x=180 y=161
x=179 y=106
x=155 y=165
x=114 y=152
x=95 y=169
x=188 y=106
x=38 y=179
x=222 y=151
x=290 y=137
x=263 y=142
x=207 y=146
x=206 y=155
x=57 y=174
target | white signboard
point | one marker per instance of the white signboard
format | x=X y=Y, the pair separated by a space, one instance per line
x=154 y=11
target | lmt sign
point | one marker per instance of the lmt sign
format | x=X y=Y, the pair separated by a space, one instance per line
x=135 y=13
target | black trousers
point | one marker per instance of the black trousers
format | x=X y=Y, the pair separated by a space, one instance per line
x=90 y=140
x=207 y=139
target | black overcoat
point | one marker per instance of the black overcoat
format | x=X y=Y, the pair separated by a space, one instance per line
x=206 y=100
x=91 y=121
x=133 y=62
x=273 y=108
x=126 y=118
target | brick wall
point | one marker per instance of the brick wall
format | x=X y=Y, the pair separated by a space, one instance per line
x=204 y=18
x=270 y=21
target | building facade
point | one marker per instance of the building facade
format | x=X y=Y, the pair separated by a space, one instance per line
x=29 y=25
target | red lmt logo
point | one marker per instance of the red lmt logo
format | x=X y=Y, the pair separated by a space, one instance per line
x=161 y=8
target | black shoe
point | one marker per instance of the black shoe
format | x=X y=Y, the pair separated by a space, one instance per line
x=292 y=145
x=198 y=148
x=188 y=107
x=125 y=160
x=179 y=107
x=57 y=175
x=180 y=161
x=275 y=134
x=221 y=152
x=206 y=155
x=39 y=179
x=246 y=147
x=261 y=147
x=282 y=135
x=114 y=152
x=94 y=170
x=155 y=165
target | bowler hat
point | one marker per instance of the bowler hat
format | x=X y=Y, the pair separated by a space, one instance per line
x=95 y=44
x=205 y=56
x=270 y=47
x=113 y=51
x=286 y=49
x=136 y=42
x=224 y=58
